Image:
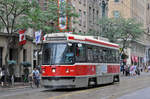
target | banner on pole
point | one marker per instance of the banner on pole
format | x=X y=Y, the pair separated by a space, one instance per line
x=62 y=16
x=38 y=36
x=22 y=37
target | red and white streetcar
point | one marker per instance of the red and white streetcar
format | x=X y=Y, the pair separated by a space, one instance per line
x=73 y=61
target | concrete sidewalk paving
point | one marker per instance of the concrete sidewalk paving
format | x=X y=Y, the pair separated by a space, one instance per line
x=18 y=85
x=21 y=85
x=141 y=74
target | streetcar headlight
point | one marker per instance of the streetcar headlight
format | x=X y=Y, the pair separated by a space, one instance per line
x=53 y=70
x=43 y=71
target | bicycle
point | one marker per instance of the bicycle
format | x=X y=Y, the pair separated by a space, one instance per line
x=31 y=81
x=34 y=82
x=37 y=82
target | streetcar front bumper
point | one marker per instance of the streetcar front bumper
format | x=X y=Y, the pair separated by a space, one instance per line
x=59 y=82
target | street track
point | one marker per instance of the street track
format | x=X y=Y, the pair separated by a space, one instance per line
x=112 y=91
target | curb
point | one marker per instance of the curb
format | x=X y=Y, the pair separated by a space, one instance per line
x=16 y=86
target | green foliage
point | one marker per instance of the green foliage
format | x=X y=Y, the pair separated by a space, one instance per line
x=17 y=14
x=47 y=20
x=12 y=11
x=121 y=29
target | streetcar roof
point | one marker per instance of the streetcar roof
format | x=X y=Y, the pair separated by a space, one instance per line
x=73 y=37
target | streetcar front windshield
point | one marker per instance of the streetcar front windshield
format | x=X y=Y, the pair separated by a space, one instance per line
x=57 y=53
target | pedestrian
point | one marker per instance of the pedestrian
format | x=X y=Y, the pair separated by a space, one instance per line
x=2 y=76
x=123 y=69
x=36 y=77
x=132 y=70
x=127 y=72
x=26 y=74
x=137 y=70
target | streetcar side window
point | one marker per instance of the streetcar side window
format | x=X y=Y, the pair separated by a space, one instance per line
x=117 y=56
x=89 y=54
x=105 y=55
x=100 y=55
x=110 y=56
x=80 y=53
x=95 y=54
x=46 y=54
x=69 y=57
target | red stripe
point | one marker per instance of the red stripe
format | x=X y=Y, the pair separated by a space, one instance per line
x=71 y=38
x=102 y=43
x=94 y=41
x=113 y=68
x=77 y=70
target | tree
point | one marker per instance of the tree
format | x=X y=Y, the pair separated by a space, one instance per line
x=25 y=14
x=122 y=30
x=47 y=20
x=11 y=12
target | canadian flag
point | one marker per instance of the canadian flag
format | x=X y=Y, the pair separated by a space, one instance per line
x=22 y=38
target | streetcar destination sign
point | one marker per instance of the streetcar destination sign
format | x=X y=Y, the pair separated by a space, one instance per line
x=56 y=38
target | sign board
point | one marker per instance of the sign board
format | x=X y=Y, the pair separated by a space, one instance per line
x=62 y=17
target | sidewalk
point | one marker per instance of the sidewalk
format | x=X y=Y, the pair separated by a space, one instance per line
x=141 y=74
x=18 y=85
x=21 y=85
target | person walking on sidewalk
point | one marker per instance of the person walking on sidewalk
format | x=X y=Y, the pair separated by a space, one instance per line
x=2 y=76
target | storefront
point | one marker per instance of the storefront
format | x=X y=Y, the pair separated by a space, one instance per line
x=17 y=54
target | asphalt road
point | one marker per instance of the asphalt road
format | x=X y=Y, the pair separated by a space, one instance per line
x=137 y=87
x=140 y=94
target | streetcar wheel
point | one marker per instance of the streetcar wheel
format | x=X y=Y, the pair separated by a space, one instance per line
x=92 y=82
x=116 y=78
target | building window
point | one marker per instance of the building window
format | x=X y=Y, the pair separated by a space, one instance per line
x=93 y=16
x=148 y=30
x=84 y=23
x=24 y=55
x=90 y=15
x=80 y=1
x=116 y=14
x=34 y=54
x=45 y=4
x=116 y=0
x=84 y=2
x=80 y=19
x=1 y=56
x=97 y=16
x=13 y=55
x=79 y=31
x=148 y=6
x=103 y=8
x=73 y=30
